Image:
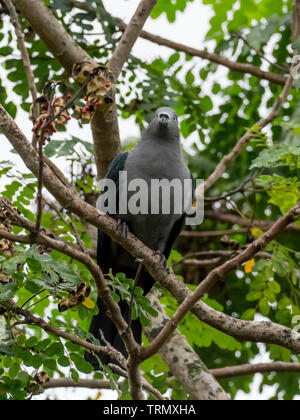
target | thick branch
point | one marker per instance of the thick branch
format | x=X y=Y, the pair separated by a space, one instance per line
x=265 y=332
x=296 y=20
x=52 y=33
x=105 y=131
x=254 y=331
x=72 y=251
x=104 y=125
x=184 y=363
x=216 y=275
x=82 y=383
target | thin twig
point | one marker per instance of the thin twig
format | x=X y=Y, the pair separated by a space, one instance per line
x=79 y=240
x=284 y=68
x=251 y=369
x=153 y=391
x=244 y=140
x=213 y=57
x=33 y=320
x=24 y=52
x=41 y=139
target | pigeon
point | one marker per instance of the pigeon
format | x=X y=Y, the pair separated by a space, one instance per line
x=157 y=222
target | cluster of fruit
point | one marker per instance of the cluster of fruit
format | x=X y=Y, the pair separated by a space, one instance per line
x=99 y=90
x=99 y=95
x=54 y=110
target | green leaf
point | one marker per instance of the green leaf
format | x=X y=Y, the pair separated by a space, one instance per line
x=75 y=375
x=50 y=364
x=14 y=370
x=264 y=307
x=5 y=51
x=63 y=361
x=55 y=349
x=7 y=291
x=248 y=315
x=274 y=287
x=81 y=364
x=254 y=295
x=63 y=5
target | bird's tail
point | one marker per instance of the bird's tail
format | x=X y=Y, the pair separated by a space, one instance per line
x=102 y=322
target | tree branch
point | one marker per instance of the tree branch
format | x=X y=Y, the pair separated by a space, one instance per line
x=210 y=256
x=52 y=33
x=217 y=274
x=243 y=141
x=248 y=369
x=146 y=385
x=193 y=52
x=21 y=44
x=82 y=383
x=182 y=360
x=262 y=331
x=220 y=373
x=296 y=20
x=104 y=125
x=266 y=332
x=39 y=322
x=131 y=33
x=105 y=131
x=248 y=223
x=254 y=331
x=103 y=290
x=215 y=58
x=211 y=233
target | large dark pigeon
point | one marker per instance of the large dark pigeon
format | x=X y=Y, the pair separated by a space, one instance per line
x=156 y=157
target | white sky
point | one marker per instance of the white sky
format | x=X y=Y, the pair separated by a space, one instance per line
x=190 y=29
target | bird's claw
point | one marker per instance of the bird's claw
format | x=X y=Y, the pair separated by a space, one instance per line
x=123 y=228
x=162 y=259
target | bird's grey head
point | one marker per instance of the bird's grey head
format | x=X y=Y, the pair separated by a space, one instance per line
x=164 y=123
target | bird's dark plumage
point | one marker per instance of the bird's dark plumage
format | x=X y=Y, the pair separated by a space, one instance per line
x=157 y=156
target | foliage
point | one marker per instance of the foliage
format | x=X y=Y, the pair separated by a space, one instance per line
x=213 y=115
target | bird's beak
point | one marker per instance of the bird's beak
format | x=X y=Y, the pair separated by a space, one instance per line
x=164 y=120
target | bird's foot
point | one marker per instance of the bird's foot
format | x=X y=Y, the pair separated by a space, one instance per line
x=123 y=228
x=162 y=258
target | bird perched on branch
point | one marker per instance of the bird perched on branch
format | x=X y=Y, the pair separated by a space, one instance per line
x=157 y=157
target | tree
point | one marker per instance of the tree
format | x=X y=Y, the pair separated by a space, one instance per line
x=232 y=282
